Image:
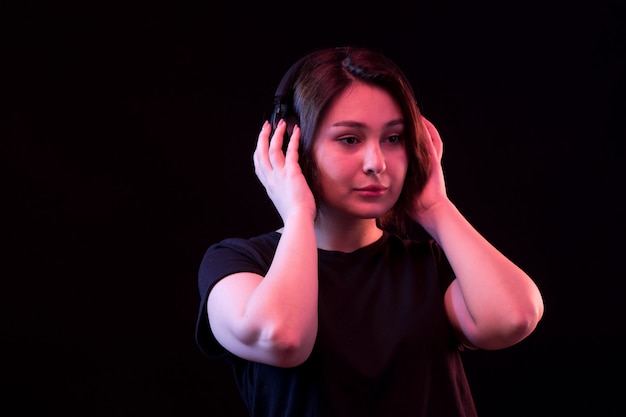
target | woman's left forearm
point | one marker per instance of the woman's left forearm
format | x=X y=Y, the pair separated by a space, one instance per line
x=499 y=296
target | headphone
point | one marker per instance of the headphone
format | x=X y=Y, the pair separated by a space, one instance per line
x=283 y=101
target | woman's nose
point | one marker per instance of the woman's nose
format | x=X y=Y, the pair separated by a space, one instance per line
x=374 y=159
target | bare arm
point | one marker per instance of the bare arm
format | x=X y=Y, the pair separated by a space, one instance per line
x=492 y=303
x=273 y=319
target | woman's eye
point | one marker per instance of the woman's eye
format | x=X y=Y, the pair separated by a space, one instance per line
x=350 y=140
x=394 y=139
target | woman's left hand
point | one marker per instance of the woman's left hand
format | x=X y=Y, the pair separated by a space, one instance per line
x=434 y=191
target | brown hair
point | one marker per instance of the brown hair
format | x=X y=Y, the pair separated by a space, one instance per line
x=326 y=73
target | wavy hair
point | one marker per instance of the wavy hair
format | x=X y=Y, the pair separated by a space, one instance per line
x=323 y=76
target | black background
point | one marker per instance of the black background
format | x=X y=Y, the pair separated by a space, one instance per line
x=127 y=135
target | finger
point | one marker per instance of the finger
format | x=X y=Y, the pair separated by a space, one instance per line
x=276 y=155
x=260 y=152
x=435 y=138
x=293 y=146
x=260 y=156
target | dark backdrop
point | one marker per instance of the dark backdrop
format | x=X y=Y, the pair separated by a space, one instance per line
x=127 y=134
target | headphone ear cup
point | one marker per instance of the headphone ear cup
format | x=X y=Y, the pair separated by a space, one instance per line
x=283 y=97
x=284 y=111
x=280 y=109
x=291 y=121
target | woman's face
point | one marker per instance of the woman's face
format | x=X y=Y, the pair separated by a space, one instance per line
x=360 y=153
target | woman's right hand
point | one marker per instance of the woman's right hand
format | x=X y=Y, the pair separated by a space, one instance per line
x=280 y=173
x=272 y=319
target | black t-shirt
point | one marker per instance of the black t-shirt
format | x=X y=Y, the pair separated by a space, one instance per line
x=384 y=346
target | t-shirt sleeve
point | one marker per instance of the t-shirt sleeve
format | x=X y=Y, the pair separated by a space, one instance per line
x=220 y=260
x=444 y=269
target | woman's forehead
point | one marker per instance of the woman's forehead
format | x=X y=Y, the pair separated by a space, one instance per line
x=362 y=103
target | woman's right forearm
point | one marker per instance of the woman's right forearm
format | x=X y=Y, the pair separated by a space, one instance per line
x=284 y=304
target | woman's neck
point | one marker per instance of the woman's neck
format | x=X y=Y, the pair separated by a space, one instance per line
x=345 y=236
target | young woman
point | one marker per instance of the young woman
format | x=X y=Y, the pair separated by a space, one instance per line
x=342 y=312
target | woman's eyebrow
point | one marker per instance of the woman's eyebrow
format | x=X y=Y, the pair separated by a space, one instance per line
x=353 y=123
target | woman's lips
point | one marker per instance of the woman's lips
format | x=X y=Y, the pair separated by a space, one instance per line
x=372 y=190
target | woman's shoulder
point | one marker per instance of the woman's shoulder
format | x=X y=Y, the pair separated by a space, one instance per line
x=238 y=254
x=259 y=245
